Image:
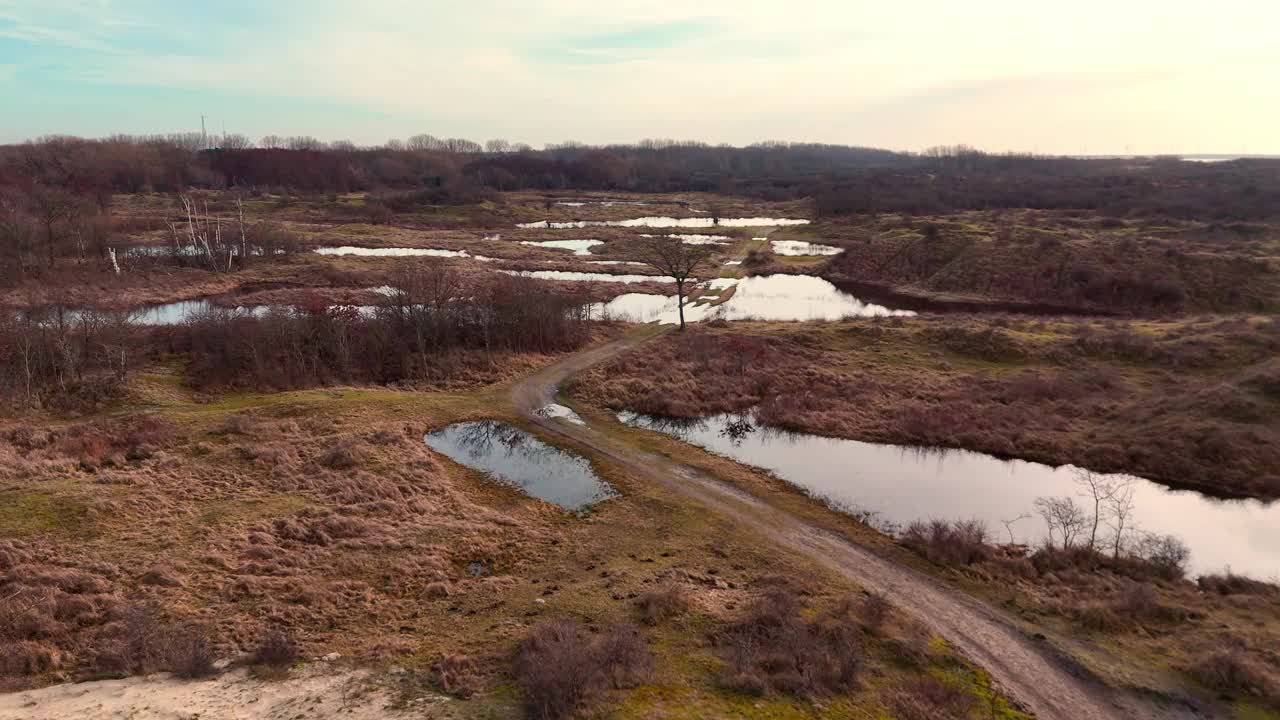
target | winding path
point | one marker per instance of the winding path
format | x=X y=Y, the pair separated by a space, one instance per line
x=1026 y=670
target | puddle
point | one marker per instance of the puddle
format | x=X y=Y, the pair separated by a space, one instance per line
x=615 y=262
x=800 y=248
x=585 y=276
x=638 y=308
x=556 y=410
x=900 y=484
x=733 y=262
x=579 y=247
x=602 y=203
x=514 y=457
x=666 y=222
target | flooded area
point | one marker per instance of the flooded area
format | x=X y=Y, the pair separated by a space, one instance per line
x=666 y=222
x=516 y=458
x=801 y=248
x=390 y=252
x=579 y=247
x=899 y=484
x=694 y=239
x=795 y=297
x=585 y=276
x=771 y=297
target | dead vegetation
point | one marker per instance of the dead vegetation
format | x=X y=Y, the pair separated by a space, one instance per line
x=1071 y=260
x=561 y=669
x=1188 y=403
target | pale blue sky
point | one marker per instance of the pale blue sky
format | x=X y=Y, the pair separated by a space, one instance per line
x=1095 y=76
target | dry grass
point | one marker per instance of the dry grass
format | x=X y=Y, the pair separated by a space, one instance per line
x=1189 y=402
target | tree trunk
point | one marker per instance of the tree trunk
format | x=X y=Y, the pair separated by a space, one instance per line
x=680 y=302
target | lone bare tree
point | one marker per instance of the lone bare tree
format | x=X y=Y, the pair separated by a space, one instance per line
x=1120 y=508
x=1063 y=515
x=1100 y=489
x=676 y=259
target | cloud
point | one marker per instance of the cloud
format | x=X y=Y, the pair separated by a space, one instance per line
x=620 y=45
x=720 y=70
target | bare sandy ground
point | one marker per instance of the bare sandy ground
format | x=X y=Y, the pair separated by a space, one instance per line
x=318 y=692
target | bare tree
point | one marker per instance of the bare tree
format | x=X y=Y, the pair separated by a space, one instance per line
x=234 y=141
x=52 y=206
x=1063 y=515
x=676 y=259
x=423 y=141
x=497 y=146
x=271 y=142
x=1100 y=489
x=1008 y=524
x=1120 y=509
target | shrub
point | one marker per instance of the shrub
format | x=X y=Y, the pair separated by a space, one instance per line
x=773 y=649
x=962 y=542
x=874 y=611
x=930 y=699
x=661 y=603
x=191 y=655
x=456 y=675
x=276 y=650
x=1235 y=672
x=623 y=657
x=1229 y=583
x=557 y=669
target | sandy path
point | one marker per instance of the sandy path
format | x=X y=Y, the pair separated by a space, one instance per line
x=1025 y=669
x=315 y=692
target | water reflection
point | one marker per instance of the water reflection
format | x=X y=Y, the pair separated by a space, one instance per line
x=665 y=222
x=898 y=484
x=515 y=457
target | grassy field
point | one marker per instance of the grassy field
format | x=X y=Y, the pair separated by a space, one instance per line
x=322 y=513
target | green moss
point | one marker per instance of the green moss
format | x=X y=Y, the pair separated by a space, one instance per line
x=35 y=513
x=250 y=509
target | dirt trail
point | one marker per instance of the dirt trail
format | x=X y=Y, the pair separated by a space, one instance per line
x=1027 y=670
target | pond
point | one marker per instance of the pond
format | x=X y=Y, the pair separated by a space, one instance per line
x=771 y=297
x=516 y=458
x=695 y=239
x=390 y=252
x=801 y=248
x=900 y=484
x=579 y=247
x=586 y=276
x=665 y=222
x=795 y=297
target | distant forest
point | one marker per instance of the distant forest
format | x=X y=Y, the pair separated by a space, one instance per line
x=840 y=179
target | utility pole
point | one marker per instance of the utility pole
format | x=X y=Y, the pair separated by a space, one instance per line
x=204 y=136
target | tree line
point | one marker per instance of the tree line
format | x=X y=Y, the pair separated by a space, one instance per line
x=841 y=179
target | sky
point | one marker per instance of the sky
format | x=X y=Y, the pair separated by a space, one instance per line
x=1085 y=77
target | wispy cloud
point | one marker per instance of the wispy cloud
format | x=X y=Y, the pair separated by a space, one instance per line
x=622 y=45
x=1001 y=73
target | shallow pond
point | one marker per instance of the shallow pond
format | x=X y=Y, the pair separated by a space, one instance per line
x=665 y=222
x=390 y=252
x=694 y=239
x=900 y=484
x=801 y=248
x=579 y=247
x=514 y=457
x=795 y=297
x=585 y=276
x=771 y=297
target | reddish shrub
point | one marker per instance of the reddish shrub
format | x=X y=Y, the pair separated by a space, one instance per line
x=664 y=602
